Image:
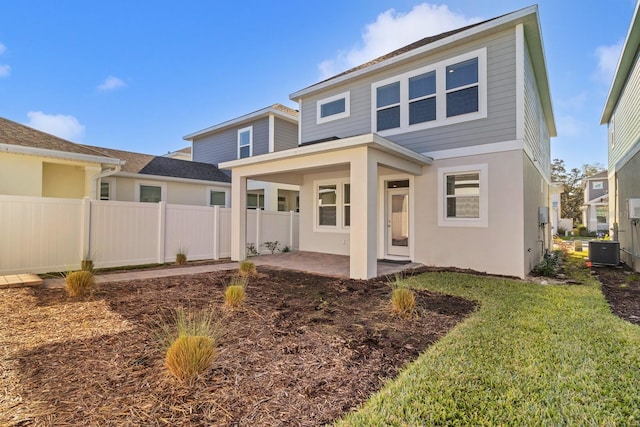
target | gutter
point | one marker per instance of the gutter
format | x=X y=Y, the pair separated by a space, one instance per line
x=105 y=173
x=43 y=152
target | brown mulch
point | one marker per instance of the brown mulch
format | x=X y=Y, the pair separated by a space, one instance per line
x=621 y=288
x=303 y=350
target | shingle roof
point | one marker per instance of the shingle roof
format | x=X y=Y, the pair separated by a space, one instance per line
x=17 y=134
x=147 y=164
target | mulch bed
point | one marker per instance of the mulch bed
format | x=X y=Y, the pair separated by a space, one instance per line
x=621 y=288
x=303 y=350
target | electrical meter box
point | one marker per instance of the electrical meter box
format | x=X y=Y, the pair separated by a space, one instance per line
x=634 y=208
x=543 y=215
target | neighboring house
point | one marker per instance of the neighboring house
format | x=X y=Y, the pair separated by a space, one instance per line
x=147 y=178
x=182 y=154
x=268 y=130
x=558 y=224
x=437 y=153
x=35 y=163
x=622 y=116
x=595 y=214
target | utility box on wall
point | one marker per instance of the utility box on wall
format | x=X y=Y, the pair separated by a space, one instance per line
x=604 y=252
x=543 y=215
x=633 y=208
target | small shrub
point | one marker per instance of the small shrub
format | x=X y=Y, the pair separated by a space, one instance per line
x=581 y=230
x=190 y=355
x=561 y=231
x=286 y=249
x=550 y=264
x=235 y=292
x=181 y=257
x=247 y=268
x=272 y=246
x=79 y=283
x=251 y=250
x=403 y=299
x=86 y=265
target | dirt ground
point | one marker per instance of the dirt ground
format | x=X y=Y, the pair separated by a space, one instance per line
x=303 y=350
x=621 y=288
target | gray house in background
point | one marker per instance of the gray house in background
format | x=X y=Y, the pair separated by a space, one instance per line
x=595 y=214
x=437 y=153
x=622 y=116
x=271 y=129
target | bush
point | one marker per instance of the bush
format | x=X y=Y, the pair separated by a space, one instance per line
x=580 y=230
x=550 y=264
x=86 y=265
x=181 y=257
x=79 y=283
x=189 y=356
x=403 y=301
x=247 y=268
x=252 y=250
x=272 y=246
x=235 y=292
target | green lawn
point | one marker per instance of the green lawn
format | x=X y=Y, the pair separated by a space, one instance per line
x=531 y=355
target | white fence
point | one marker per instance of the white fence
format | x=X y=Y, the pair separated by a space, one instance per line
x=40 y=235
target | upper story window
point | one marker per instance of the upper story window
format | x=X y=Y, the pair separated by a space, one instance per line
x=446 y=92
x=597 y=185
x=245 y=142
x=333 y=108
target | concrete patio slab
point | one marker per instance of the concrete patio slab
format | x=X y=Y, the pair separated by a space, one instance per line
x=19 y=280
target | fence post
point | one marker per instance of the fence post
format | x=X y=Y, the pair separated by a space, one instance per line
x=291 y=230
x=216 y=232
x=258 y=228
x=162 y=213
x=85 y=233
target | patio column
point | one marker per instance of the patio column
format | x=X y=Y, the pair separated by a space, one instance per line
x=364 y=214
x=238 y=217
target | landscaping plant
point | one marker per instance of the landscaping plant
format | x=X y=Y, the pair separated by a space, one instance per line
x=272 y=246
x=247 y=268
x=79 y=283
x=403 y=299
x=181 y=257
x=235 y=292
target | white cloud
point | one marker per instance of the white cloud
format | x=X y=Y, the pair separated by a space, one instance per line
x=111 y=83
x=67 y=127
x=607 y=61
x=5 y=70
x=3 y=48
x=392 y=30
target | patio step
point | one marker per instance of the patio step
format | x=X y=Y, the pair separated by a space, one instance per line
x=20 y=280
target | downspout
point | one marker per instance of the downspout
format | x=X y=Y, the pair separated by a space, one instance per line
x=104 y=174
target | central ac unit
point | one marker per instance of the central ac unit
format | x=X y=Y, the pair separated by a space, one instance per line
x=604 y=252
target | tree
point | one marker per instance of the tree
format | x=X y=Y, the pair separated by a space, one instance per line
x=572 y=199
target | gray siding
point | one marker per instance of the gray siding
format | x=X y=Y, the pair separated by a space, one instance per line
x=222 y=146
x=626 y=118
x=536 y=133
x=498 y=126
x=286 y=135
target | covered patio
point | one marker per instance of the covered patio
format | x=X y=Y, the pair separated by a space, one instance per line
x=364 y=161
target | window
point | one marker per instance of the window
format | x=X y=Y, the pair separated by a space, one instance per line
x=388 y=106
x=443 y=93
x=602 y=212
x=462 y=88
x=282 y=204
x=346 y=195
x=217 y=198
x=255 y=201
x=463 y=196
x=245 y=142
x=105 y=190
x=612 y=132
x=150 y=193
x=327 y=205
x=597 y=185
x=333 y=108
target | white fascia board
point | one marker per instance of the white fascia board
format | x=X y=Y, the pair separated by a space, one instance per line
x=371 y=140
x=625 y=62
x=510 y=19
x=148 y=177
x=43 y=152
x=265 y=112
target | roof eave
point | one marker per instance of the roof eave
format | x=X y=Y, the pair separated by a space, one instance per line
x=265 y=112
x=625 y=62
x=44 y=152
x=153 y=177
x=508 y=19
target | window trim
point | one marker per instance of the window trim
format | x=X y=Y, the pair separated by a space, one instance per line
x=219 y=190
x=483 y=219
x=162 y=185
x=112 y=189
x=347 y=107
x=440 y=96
x=339 y=227
x=240 y=132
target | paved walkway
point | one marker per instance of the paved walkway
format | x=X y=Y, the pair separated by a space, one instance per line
x=310 y=262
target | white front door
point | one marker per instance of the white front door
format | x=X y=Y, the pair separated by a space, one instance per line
x=398 y=222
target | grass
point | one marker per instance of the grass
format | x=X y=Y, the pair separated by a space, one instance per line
x=531 y=355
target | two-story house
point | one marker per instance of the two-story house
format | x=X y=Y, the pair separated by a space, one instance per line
x=438 y=153
x=268 y=130
x=622 y=116
x=595 y=213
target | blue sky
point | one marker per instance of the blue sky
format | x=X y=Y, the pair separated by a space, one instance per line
x=139 y=75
